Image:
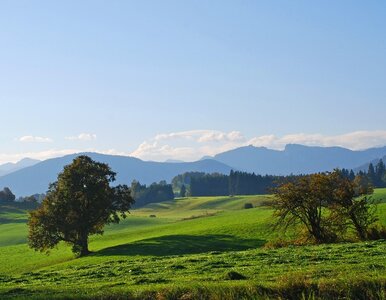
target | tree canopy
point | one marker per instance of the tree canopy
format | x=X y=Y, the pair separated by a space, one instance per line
x=80 y=203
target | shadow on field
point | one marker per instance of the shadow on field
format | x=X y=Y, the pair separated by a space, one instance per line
x=182 y=244
x=9 y=221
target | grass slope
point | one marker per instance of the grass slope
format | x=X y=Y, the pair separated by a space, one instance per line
x=190 y=249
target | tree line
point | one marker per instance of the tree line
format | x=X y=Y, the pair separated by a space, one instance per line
x=242 y=183
x=156 y=192
x=141 y=193
x=376 y=175
x=236 y=183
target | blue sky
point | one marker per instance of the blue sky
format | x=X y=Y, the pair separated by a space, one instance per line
x=182 y=79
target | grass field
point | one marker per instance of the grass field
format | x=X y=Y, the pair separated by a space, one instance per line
x=206 y=248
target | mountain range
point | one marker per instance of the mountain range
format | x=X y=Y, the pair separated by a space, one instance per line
x=294 y=159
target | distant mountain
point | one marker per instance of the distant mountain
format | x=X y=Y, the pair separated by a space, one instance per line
x=296 y=159
x=12 y=167
x=35 y=179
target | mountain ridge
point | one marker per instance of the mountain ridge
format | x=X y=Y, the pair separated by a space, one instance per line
x=8 y=168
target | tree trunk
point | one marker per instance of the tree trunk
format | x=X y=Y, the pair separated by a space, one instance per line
x=360 y=230
x=83 y=245
x=84 y=250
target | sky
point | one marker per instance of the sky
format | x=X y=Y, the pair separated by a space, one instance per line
x=183 y=79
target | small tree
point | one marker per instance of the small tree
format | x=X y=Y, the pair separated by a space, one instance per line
x=301 y=203
x=371 y=174
x=183 y=191
x=6 y=196
x=79 y=204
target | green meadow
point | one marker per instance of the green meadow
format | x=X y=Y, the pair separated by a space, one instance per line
x=192 y=248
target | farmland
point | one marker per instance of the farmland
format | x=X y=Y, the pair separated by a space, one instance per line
x=188 y=248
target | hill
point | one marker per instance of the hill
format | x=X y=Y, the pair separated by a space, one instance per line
x=193 y=246
x=35 y=179
x=296 y=159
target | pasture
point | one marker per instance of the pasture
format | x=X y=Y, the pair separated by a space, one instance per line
x=206 y=247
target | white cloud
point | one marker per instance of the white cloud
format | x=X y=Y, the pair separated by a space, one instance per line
x=34 y=139
x=188 y=145
x=194 y=144
x=82 y=137
x=201 y=136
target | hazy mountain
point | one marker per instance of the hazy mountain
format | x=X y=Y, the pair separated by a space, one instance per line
x=35 y=179
x=12 y=167
x=296 y=159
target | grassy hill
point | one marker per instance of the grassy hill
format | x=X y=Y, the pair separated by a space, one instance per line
x=190 y=248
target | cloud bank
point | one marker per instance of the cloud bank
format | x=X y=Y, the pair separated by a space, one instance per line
x=195 y=144
x=192 y=145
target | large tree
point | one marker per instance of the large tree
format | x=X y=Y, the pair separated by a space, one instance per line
x=80 y=203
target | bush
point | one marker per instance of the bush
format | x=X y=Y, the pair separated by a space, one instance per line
x=248 y=205
x=376 y=232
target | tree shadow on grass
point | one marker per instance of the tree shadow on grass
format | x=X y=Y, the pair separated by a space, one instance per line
x=182 y=244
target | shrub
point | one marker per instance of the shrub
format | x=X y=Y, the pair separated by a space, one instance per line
x=232 y=275
x=248 y=205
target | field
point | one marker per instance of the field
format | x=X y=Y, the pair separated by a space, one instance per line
x=206 y=248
